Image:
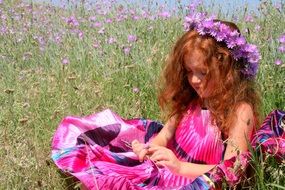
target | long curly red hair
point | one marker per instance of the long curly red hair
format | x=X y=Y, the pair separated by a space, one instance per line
x=232 y=87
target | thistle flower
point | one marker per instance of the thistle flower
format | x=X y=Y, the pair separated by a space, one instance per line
x=248 y=18
x=92 y=18
x=80 y=34
x=164 y=14
x=72 y=21
x=65 y=61
x=97 y=24
x=112 y=40
x=282 y=39
x=132 y=38
x=96 y=44
x=127 y=50
x=108 y=20
x=136 y=90
x=278 y=62
x=282 y=49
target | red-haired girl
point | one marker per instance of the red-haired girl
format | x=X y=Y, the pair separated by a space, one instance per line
x=211 y=105
x=210 y=98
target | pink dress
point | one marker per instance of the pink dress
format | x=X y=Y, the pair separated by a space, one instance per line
x=93 y=150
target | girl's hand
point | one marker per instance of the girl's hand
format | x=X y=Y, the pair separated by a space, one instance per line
x=163 y=156
x=140 y=149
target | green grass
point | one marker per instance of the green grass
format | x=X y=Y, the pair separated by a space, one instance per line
x=37 y=91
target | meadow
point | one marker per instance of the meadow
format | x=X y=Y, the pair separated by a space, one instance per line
x=78 y=59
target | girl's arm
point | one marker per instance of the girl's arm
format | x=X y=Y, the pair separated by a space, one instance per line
x=161 y=139
x=241 y=131
x=166 y=133
x=238 y=137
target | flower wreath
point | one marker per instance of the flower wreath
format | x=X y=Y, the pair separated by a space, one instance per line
x=247 y=54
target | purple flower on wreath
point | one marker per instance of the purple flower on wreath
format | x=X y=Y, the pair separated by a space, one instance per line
x=240 y=41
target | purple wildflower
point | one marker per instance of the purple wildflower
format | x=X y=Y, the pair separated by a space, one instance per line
x=97 y=25
x=132 y=38
x=108 y=20
x=145 y=14
x=136 y=90
x=112 y=40
x=65 y=61
x=72 y=21
x=135 y=17
x=194 y=5
x=121 y=17
x=3 y=30
x=96 y=44
x=282 y=39
x=127 y=50
x=282 y=49
x=278 y=62
x=248 y=18
x=92 y=18
x=278 y=6
x=57 y=39
x=164 y=14
x=80 y=34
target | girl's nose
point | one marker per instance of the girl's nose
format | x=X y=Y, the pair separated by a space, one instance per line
x=195 y=79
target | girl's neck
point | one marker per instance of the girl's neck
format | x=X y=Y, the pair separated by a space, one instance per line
x=203 y=104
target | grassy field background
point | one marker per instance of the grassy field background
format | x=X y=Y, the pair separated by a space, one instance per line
x=77 y=60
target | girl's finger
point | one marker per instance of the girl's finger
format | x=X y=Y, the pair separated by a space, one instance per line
x=142 y=154
x=153 y=149
x=158 y=157
x=135 y=142
x=161 y=164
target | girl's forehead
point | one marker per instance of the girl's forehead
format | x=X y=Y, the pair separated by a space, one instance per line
x=195 y=59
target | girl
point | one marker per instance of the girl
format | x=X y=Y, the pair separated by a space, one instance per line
x=212 y=109
x=204 y=85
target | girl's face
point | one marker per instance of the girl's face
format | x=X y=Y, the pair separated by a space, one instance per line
x=196 y=72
